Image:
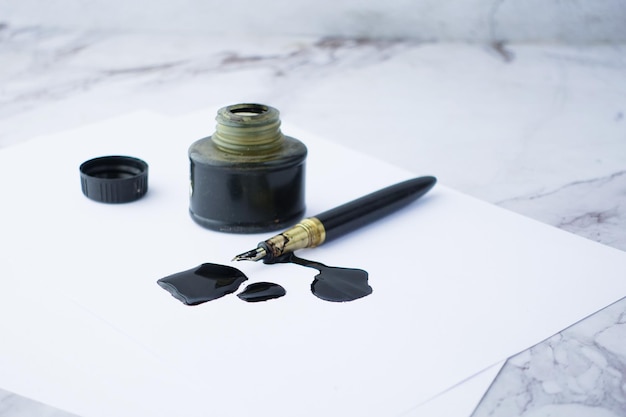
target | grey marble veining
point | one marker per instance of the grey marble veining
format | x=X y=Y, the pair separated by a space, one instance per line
x=598 y=212
x=476 y=20
x=534 y=128
x=578 y=372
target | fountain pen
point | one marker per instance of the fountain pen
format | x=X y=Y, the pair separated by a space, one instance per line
x=336 y=222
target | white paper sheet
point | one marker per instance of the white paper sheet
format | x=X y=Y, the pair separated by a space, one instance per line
x=458 y=284
x=56 y=352
x=460 y=399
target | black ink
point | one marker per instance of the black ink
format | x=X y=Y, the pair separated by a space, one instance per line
x=212 y=281
x=332 y=283
x=246 y=200
x=261 y=291
x=204 y=283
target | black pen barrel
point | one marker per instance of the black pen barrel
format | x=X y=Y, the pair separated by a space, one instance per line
x=357 y=213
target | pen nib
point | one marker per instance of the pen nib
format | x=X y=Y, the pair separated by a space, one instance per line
x=251 y=255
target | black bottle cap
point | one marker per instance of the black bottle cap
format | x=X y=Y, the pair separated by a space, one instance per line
x=114 y=179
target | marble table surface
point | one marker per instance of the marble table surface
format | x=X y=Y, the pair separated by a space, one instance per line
x=539 y=129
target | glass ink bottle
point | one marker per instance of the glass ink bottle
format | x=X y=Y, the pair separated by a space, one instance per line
x=247 y=177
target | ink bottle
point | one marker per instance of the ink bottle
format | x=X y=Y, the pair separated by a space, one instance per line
x=247 y=177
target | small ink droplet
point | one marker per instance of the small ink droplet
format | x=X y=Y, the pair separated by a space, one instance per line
x=204 y=283
x=261 y=291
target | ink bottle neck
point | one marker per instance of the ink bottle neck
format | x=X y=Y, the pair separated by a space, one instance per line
x=248 y=129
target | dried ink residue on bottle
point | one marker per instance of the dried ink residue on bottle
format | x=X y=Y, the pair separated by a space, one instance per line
x=204 y=283
x=333 y=283
x=261 y=291
x=247 y=177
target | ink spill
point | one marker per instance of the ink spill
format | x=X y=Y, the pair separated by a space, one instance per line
x=261 y=291
x=204 y=283
x=212 y=281
x=333 y=283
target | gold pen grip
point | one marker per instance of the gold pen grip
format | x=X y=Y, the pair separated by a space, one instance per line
x=309 y=233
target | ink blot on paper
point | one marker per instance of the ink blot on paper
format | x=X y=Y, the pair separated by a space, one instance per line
x=212 y=281
x=261 y=291
x=333 y=283
x=204 y=283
